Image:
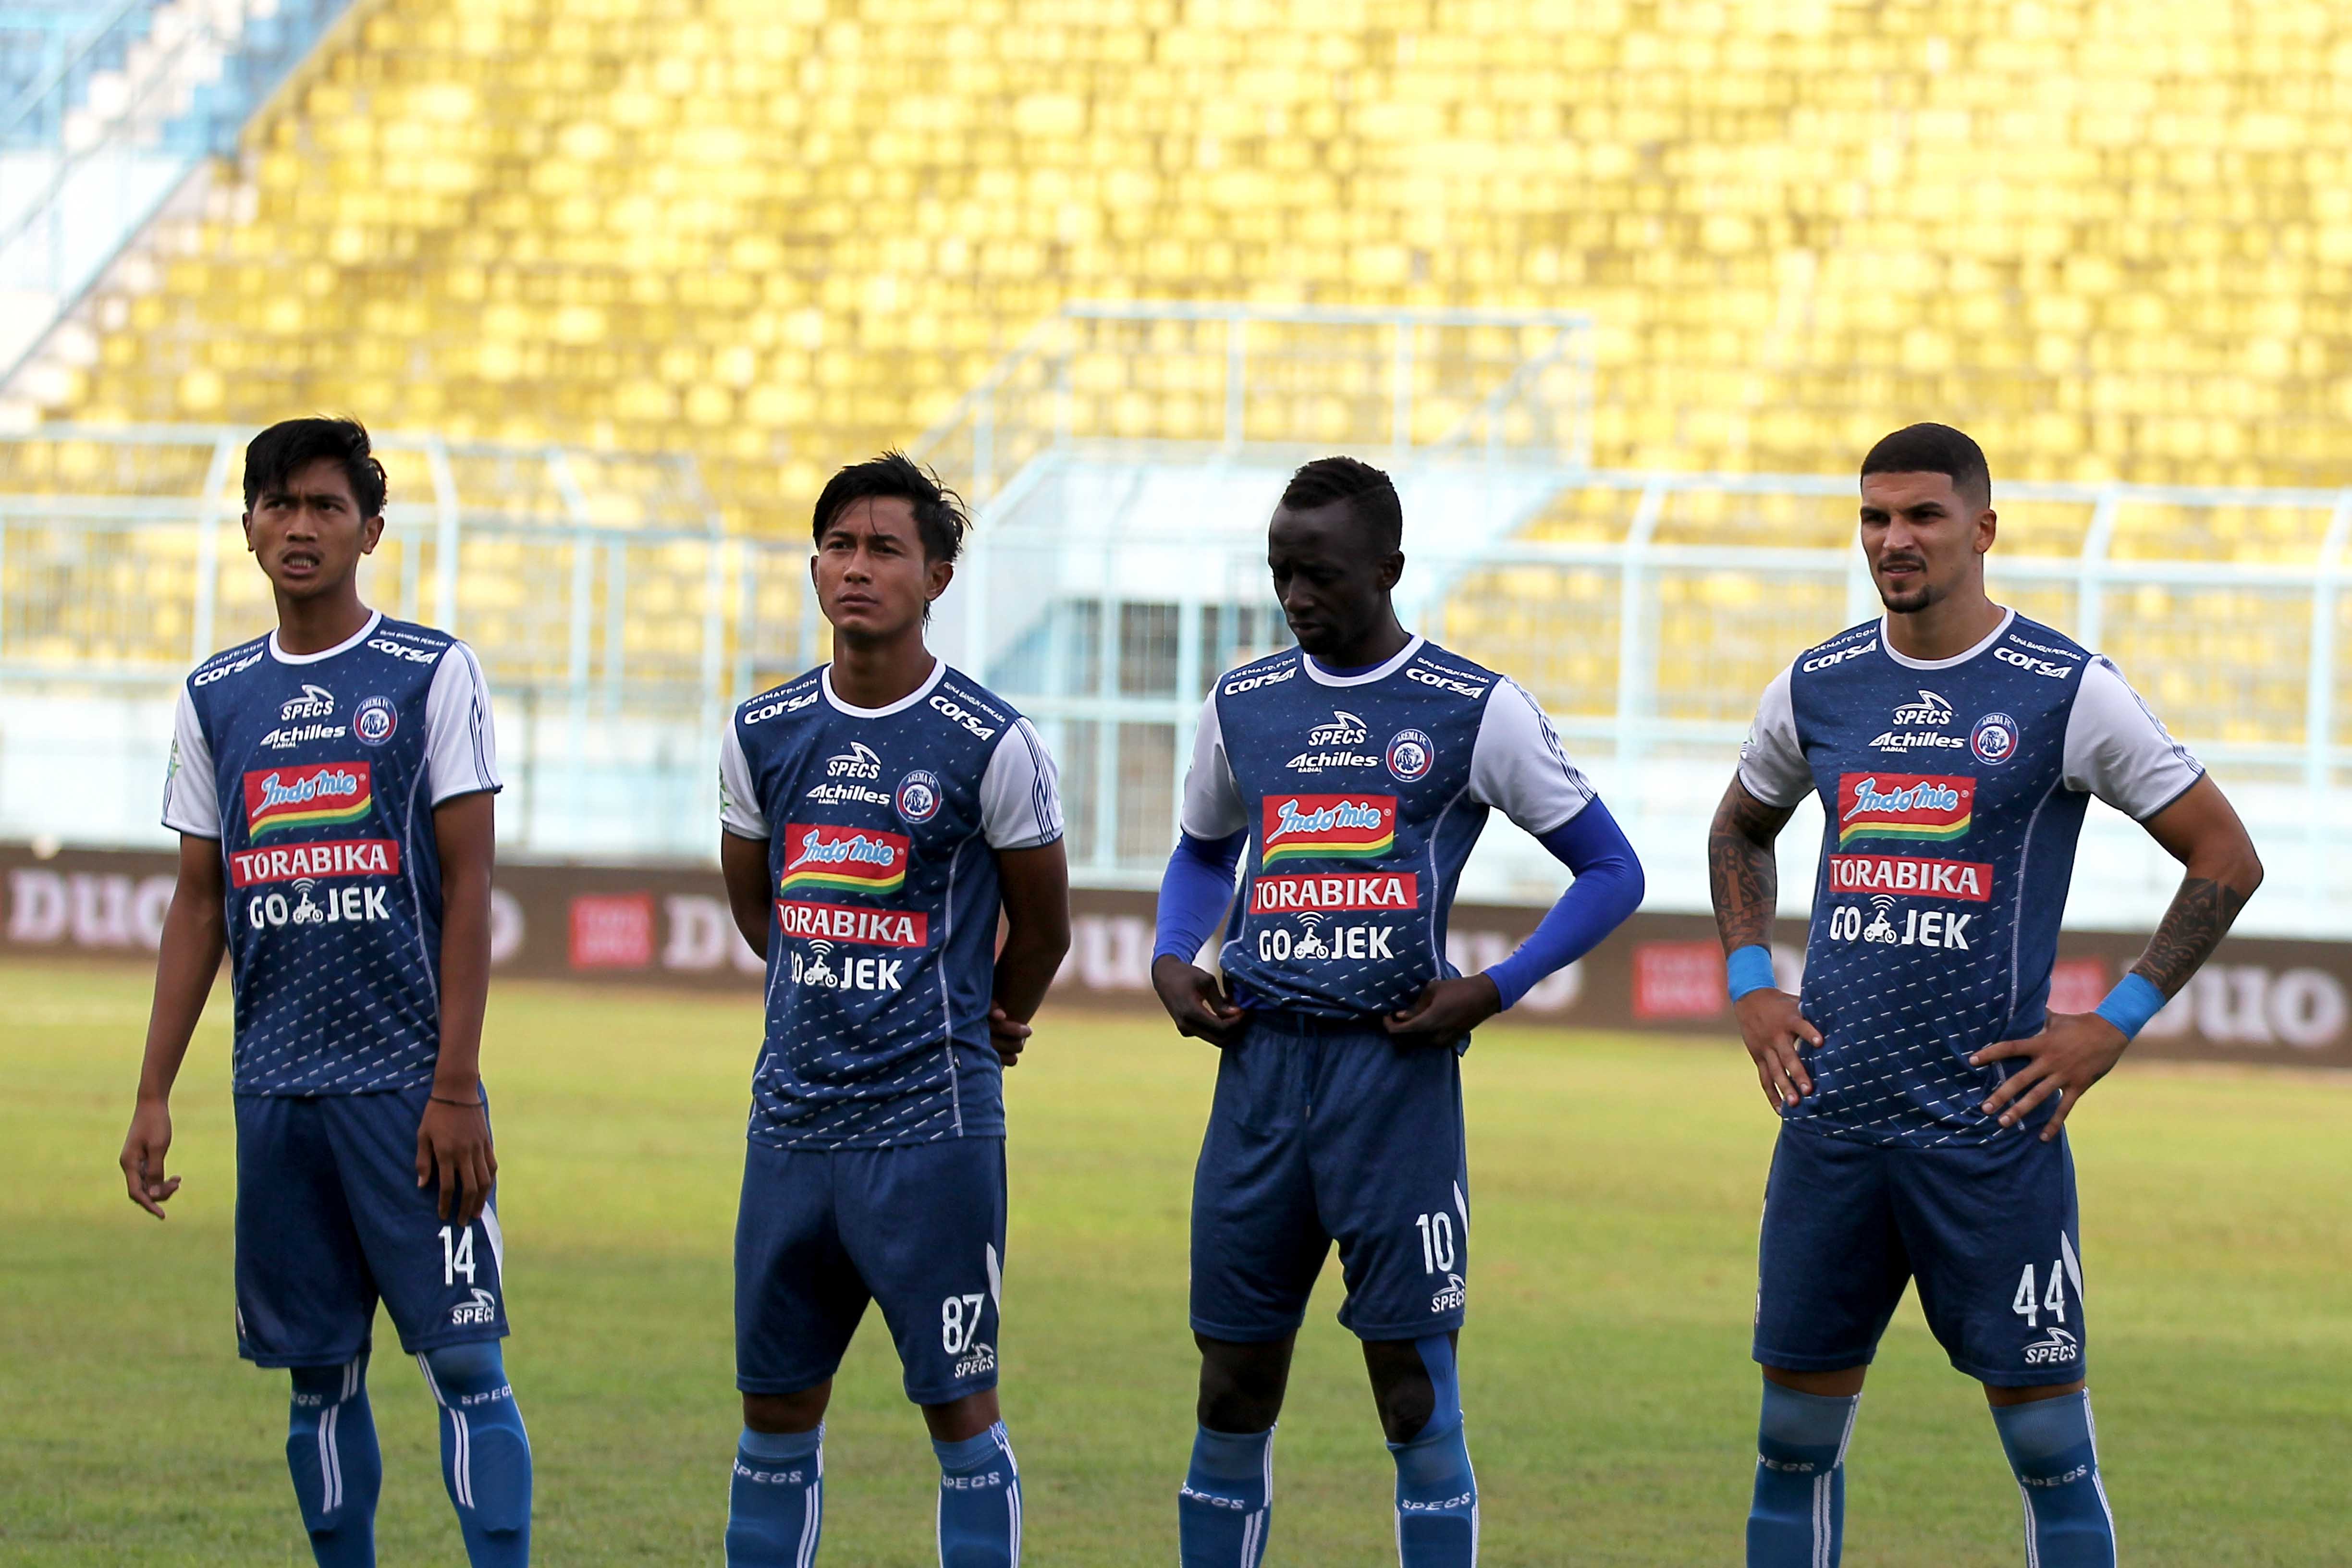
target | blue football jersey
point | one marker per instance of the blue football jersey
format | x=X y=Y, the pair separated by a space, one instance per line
x=1953 y=793
x=318 y=773
x=1362 y=795
x=882 y=827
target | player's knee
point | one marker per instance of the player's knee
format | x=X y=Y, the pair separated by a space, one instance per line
x=787 y=1412
x=1242 y=1385
x=1401 y=1389
x=475 y=1368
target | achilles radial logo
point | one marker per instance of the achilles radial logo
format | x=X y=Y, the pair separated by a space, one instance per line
x=846 y=859
x=1327 y=827
x=317 y=794
x=1921 y=807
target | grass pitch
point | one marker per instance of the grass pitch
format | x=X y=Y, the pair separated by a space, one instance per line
x=1605 y=1370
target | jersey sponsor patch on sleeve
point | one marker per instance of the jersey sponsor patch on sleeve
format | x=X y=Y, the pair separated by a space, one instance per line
x=313 y=795
x=856 y=859
x=1327 y=827
x=1934 y=809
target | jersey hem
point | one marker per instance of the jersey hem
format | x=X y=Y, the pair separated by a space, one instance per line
x=215 y=833
x=758 y=835
x=2172 y=800
x=1764 y=1356
x=442 y=800
x=422 y=1080
x=842 y=1146
x=1764 y=798
x=1030 y=842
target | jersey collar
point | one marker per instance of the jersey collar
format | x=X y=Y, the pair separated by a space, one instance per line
x=1381 y=672
x=376 y=618
x=931 y=682
x=1907 y=662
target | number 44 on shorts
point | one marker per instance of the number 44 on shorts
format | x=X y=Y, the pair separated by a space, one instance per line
x=2035 y=1298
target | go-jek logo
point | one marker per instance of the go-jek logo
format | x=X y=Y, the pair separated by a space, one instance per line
x=1931 y=809
x=318 y=794
x=1326 y=826
x=854 y=860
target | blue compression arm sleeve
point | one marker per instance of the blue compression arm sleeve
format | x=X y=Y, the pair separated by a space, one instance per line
x=1194 y=891
x=1608 y=888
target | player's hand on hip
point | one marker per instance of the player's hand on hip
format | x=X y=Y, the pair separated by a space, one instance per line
x=1776 y=1034
x=1007 y=1034
x=453 y=1142
x=1196 y=1001
x=2073 y=1051
x=142 y=1157
x=1445 y=1011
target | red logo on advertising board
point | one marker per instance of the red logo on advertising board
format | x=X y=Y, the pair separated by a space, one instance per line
x=2077 y=984
x=1353 y=890
x=846 y=922
x=1906 y=877
x=611 y=930
x=336 y=857
x=1678 y=980
x=1925 y=808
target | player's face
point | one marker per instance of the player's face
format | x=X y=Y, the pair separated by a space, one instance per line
x=872 y=577
x=1922 y=538
x=1334 y=591
x=308 y=534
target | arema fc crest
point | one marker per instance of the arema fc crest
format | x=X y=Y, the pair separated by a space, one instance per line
x=1411 y=754
x=374 y=720
x=917 y=799
x=1994 y=740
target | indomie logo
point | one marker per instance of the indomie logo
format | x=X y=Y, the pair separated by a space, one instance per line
x=1328 y=826
x=852 y=859
x=1929 y=808
x=320 y=795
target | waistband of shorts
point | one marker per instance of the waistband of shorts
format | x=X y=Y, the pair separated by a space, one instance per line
x=1281 y=1022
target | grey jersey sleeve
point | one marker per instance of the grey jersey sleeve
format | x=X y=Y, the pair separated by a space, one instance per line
x=1021 y=794
x=2118 y=749
x=1519 y=767
x=191 y=793
x=1212 y=799
x=461 y=745
x=739 y=797
x=1771 y=763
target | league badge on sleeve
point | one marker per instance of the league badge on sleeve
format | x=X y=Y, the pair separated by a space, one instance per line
x=918 y=800
x=1410 y=755
x=1994 y=740
x=374 y=720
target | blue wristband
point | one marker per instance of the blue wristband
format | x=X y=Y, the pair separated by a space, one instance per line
x=2132 y=1002
x=1748 y=969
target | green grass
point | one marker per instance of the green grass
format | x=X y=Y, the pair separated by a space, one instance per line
x=1605 y=1370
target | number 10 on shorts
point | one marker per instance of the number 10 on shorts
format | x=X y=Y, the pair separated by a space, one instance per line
x=1437 y=1242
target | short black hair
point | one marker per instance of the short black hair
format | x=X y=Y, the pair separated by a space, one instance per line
x=940 y=517
x=272 y=458
x=1370 y=498
x=1935 y=449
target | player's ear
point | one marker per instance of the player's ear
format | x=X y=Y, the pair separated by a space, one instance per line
x=939 y=574
x=1391 y=570
x=1988 y=525
x=370 y=532
x=247 y=522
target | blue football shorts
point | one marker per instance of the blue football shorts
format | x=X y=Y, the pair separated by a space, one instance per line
x=1989 y=1231
x=330 y=1219
x=1325 y=1130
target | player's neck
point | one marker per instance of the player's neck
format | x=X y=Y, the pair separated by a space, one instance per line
x=1945 y=629
x=318 y=622
x=1380 y=644
x=877 y=673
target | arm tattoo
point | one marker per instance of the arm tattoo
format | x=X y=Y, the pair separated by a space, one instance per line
x=1742 y=874
x=2191 y=929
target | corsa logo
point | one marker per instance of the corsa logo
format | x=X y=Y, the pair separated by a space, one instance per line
x=854 y=860
x=1327 y=827
x=1922 y=808
x=318 y=794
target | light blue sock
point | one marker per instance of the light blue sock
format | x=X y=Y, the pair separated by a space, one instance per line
x=776 y=1506
x=1436 y=1495
x=1797 y=1517
x=485 y=1452
x=980 y=1502
x=2053 y=1445
x=330 y=1449
x=1227 y=1502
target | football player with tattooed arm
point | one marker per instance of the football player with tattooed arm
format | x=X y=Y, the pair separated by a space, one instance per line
x=1349 y=778
x=1922 y=1083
